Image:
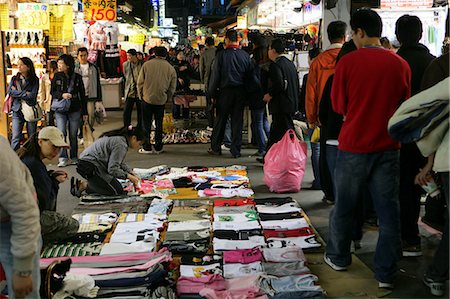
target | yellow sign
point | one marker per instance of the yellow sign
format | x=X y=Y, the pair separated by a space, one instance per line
x=33 y=16
x=4 y=16
x=138 y=39
x=100 y=10
x=242 y=22
x=61 y=24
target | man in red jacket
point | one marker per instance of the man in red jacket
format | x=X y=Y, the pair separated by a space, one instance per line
x=369 y=85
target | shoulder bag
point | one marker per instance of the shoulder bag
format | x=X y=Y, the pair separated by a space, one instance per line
x=63 y=105
x=31 y=113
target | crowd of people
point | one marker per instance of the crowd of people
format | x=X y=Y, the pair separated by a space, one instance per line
x=357 y=163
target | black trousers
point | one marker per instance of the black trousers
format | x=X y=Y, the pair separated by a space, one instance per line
x=151 y=112
x=326 y=182
x=231 y=102
x=98 y=183
x=281 y=122
x=209 y=110
x=411 y=160
x=128 y=111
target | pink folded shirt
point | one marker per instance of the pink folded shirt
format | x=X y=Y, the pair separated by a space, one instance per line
x=236 y=288
x=193 y=285
x=244 y=256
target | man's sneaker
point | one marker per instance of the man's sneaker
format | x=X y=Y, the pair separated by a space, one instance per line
x=224 y=147
x=73 y=161
x=145 y=152
x=63 y=163
x=411 y=250
x=356 y=244
x=386 y=285
x=436 y=288
x=333 y=265
x=158 y=152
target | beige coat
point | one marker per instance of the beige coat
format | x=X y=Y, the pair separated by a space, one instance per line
x=157 y=81
x=44 y=95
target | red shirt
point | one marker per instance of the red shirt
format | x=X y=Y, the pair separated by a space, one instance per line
x=369 y=85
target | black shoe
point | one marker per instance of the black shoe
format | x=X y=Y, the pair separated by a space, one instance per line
x=236 y=156
x=75 y=187
x=312 y=187
x=328 y=201
x=213 y=152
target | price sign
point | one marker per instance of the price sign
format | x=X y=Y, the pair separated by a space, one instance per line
x=33 y=16
x=100 y=10
x=138 y=39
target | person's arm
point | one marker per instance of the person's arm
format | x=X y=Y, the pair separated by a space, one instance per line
x=338 y=91
x=214 y=79
x=140 y=83
x=425 y=173
x=12 y=89
x=310 y=95
x=172 y=85
x=115 y=161
x=325 y=102
x=276 y=78
x=30 y=96
x=433 y=74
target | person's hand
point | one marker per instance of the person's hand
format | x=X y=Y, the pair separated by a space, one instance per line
x=85 y=117
x=134 y=179
x=60 y=175
x=267 y=98
x=181 y=81
x=22 y=286
x=424 y=176
x=183 y=68
x=67 y=96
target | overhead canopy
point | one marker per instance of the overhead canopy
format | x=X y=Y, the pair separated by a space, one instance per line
x=223 y=23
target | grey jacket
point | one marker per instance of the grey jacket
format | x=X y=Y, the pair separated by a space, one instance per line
x=157 y=81
x=95 y=88
x=19 y=206
x=206 y=61
x=108 y=154
x=128 y=74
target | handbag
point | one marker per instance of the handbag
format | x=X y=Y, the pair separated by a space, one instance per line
x=7 y=104
x=31 y=113
x=63 y=105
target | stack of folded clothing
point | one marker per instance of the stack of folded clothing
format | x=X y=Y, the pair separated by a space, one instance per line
x=188 y=237
x=198 y=272
x=236 y=225
x=131 y=276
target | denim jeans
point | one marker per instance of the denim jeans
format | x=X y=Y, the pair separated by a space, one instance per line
x=150 y=112
x=438 y=270
x=72 y=120
x=260 y=128
x=227 y=134
x=380 y=174
x=6 y=259
x=315 y=159
x=17 y=125
x=332 y=152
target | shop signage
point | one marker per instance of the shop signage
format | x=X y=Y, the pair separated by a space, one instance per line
x=406 y=3
x=61 y=24
x=138 y=39
x=242 y=22
x=100 y=10
x=33 y=16
x=4 y=16
x=155 y=4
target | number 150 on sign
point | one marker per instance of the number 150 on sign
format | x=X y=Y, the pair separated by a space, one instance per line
x=101 y=14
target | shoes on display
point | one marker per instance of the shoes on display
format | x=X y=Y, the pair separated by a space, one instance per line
x=385 y=285
x=333 y=266
x=145 y=152
x=437 y=288
x=411 y=250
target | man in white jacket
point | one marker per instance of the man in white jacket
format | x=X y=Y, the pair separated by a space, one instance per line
x=20 y=231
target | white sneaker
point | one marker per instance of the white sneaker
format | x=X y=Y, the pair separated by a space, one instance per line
x=335 y=267
x=224 y=147
x=63 y=163
x=145 y=152
x=385 y=285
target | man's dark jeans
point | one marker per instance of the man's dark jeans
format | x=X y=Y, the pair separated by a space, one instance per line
x=151 y=112
x=379 y=172
x=128 y=111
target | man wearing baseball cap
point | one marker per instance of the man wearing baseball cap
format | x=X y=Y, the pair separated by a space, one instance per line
x=54 y=135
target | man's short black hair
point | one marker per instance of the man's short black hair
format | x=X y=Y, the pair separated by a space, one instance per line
x=408 y=29
x=161 y=51
x=209 y=41
x=278 y=45
x=367 y=20
x=232 y=35
x=336 y=31
x=132 y=52
x=82 y=49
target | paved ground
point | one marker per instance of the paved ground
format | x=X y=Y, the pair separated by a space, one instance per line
x=408 y=284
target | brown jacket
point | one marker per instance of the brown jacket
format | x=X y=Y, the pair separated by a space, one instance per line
x=157 y=81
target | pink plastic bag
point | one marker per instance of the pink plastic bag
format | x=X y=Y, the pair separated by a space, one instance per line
x=284 y=164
